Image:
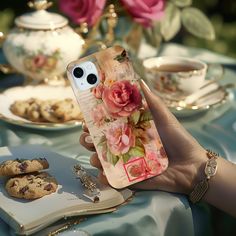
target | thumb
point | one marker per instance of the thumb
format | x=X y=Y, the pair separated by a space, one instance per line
x=161 y=114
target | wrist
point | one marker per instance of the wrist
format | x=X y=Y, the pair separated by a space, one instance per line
x=196 y=169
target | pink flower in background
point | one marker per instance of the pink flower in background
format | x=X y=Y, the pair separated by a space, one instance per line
x=145 y=11
x=121 y=99
x=98 y=91
x=120 y=138
x=81 y=11
x=98 y=114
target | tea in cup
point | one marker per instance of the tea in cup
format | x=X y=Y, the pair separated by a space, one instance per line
x=175 y=75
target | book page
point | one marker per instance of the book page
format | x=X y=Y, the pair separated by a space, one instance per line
x=23 y=215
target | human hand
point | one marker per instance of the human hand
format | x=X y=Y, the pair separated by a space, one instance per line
x=186 y=156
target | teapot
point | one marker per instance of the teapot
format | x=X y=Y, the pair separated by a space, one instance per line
x=42 y=43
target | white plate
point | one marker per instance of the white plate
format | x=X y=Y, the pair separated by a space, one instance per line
x=42 y=92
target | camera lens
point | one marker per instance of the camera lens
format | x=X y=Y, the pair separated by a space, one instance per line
x=92 y=79
x=78 y=72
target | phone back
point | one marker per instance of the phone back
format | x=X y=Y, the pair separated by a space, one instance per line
x=118 y=118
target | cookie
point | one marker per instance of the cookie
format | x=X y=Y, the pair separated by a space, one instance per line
x=67 y=110
x=19 y=108
x=47 y=112
x=31 y=186
x=22 y=166
x=33 y=111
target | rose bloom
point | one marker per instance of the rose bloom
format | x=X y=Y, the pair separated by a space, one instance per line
x=119 y=138
x=98 y=114
x=145 y=12
x=39 y=61
x=81 y=11
x=98 y=91
x=121 y=99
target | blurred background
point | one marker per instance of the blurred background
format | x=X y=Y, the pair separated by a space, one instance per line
x=221 y=13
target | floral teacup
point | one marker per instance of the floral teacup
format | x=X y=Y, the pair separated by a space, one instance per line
x=175 y=75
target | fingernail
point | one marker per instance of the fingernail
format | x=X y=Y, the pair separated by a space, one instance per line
x=88 y=139
x=145 y=85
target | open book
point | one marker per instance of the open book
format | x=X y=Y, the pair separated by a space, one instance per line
x=27 y=217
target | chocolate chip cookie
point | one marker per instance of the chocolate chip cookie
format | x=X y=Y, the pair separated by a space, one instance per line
x=31 y=186
x=22 y=166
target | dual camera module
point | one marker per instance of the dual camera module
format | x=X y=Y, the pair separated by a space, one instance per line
x=85 y=75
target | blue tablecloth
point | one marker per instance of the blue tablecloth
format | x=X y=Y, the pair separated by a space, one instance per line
x=150 y=212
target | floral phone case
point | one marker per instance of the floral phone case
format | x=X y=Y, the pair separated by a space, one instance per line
x=119 y=121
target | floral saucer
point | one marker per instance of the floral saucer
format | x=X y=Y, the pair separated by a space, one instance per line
x=202 y=104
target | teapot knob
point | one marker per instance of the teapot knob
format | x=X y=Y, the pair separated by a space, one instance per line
x=40 y=4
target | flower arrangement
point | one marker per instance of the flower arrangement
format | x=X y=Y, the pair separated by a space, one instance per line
x=152 y=20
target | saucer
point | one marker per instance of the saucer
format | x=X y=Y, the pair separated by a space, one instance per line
x=43 y=92
x=204 y=103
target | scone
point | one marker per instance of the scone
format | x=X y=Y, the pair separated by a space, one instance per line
x=22 y=166
x=31 y=186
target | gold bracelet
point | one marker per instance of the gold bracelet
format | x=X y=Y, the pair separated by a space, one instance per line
x=210 y=170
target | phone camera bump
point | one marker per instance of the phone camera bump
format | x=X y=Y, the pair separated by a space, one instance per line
x=92 y=79
x=78 y=72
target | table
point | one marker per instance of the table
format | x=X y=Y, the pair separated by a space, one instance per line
x=150 y=212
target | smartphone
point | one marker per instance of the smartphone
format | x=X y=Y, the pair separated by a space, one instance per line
x=117 y=116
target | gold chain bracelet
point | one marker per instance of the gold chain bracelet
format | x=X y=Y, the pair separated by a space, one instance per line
x=210 y=170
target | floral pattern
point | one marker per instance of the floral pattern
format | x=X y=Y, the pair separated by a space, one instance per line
x=38 y=62
x=129 y=136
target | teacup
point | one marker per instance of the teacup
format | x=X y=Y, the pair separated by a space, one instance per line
x=175 y=75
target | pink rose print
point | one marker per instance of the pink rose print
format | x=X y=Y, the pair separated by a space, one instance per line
x=153 y=164
x=98 y=91
x=121 y=99
x=98 y=114
x=136 y=170
x=39 y=60
x=145 y=12
x=119 y=138
x=81 y=11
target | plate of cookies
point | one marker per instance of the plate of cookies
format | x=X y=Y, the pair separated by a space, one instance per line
x=40 y=107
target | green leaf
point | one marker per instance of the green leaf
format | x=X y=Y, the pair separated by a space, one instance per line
x=136 y=151
x=125 y=157
x=146 y=116
x=113 y=159
x=182 y=3
x=102 y=140
x=197 y=23
x=171 y=22
x=135 y=117
x=145 y=125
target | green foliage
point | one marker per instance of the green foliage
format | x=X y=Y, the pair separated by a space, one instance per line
x=171 y=22
x=197 y=23
x=182 y=3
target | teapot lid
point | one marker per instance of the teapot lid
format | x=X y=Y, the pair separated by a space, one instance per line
x=41 y=19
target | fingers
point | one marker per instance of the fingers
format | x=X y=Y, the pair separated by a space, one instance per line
x=161 y=114
x=86 y=141
x=94 y=161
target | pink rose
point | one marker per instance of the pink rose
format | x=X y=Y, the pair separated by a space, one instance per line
x=153 y=163
x=98 y=114
x=81 y=11
x=120 y=138
x=145 y=11
x=98 y=91
x=39 y=60
x=121 y=99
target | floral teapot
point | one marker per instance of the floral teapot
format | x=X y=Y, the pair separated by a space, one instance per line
x=42 y=44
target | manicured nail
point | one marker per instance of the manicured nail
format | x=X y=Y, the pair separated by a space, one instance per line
x=145 y=85
x=88 y=139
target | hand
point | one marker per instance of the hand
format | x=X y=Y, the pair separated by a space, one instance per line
x=186 y=157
